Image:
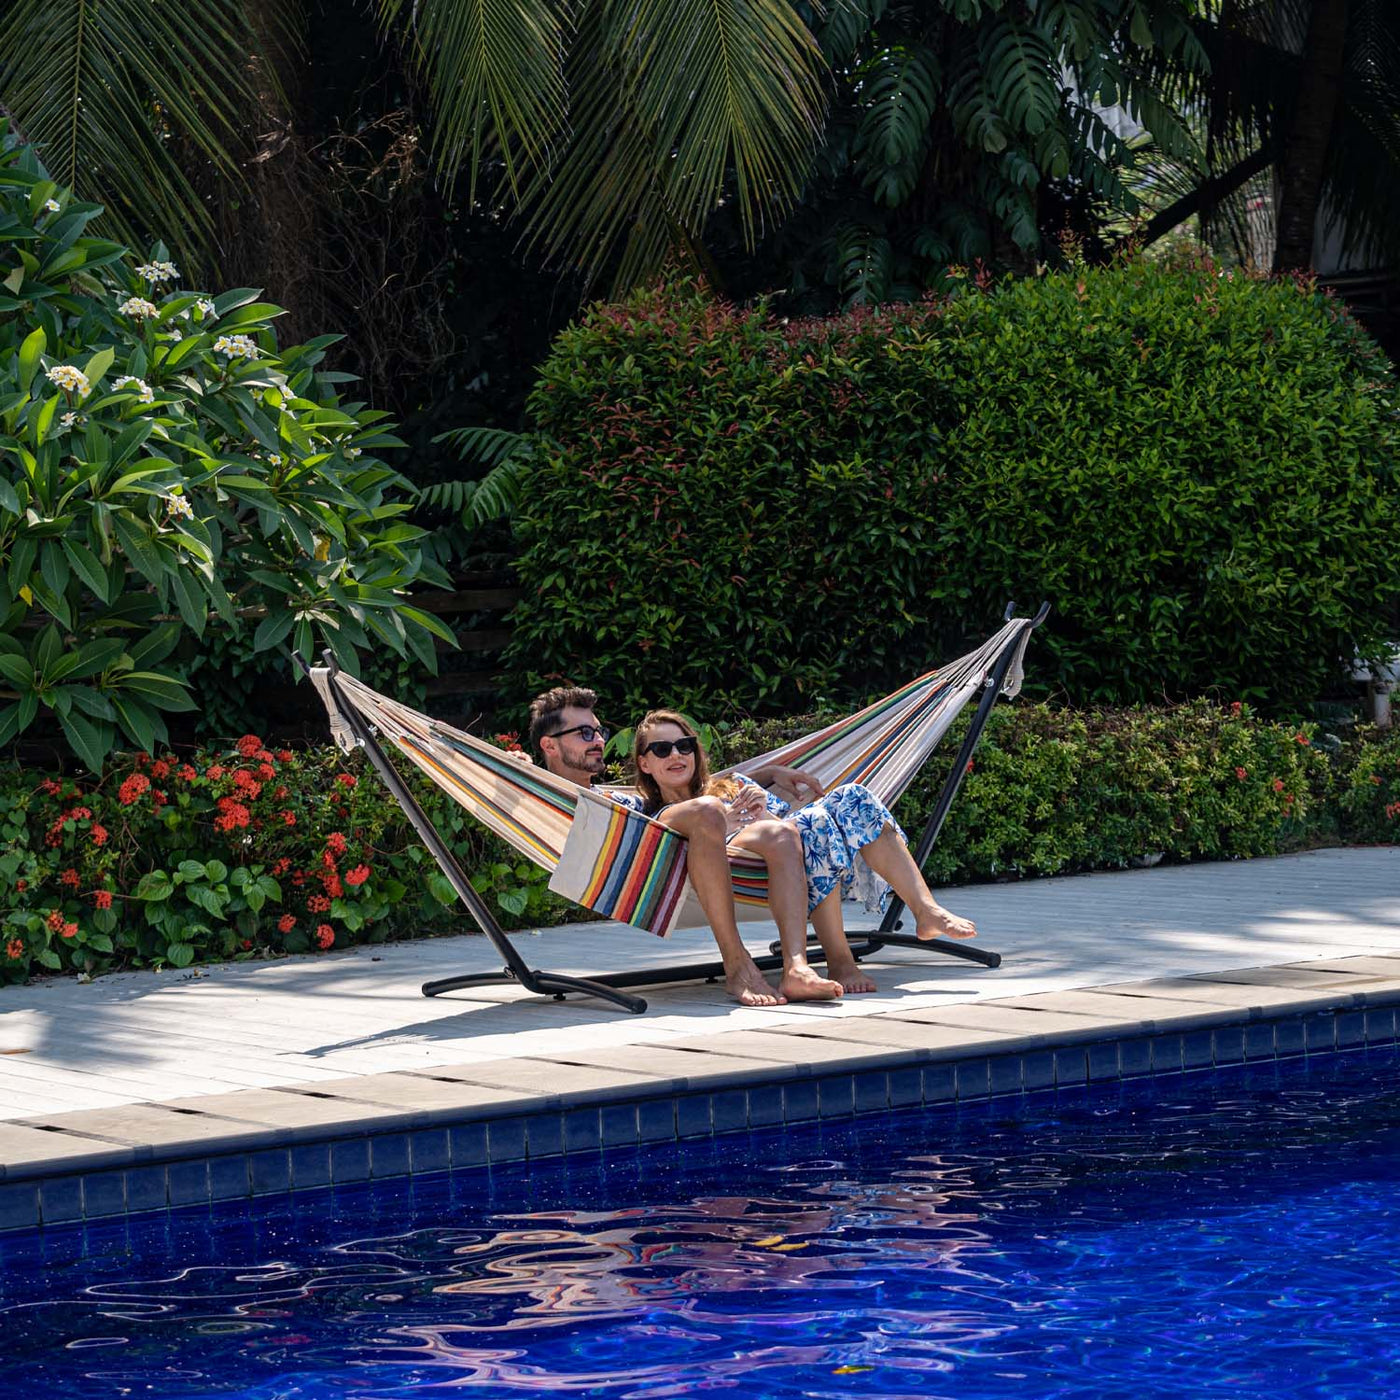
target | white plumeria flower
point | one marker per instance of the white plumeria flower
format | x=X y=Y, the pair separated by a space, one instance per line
x=157 y=272
x=206 y=307
x=175 y=333
x=51 y=206
x=274 y=459
x=138 y=308
x=352 y=452
x=236 y=347
x=67 y=420
x=143 y=390
x=69 y=377
x=180 y=507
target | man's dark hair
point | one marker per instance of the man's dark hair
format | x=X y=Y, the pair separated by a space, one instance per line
x=544 y=709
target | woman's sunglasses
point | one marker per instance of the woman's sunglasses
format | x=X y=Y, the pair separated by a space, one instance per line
x=662 y=747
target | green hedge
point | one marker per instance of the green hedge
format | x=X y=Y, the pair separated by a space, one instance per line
x=242 y=854
x=1198 y=469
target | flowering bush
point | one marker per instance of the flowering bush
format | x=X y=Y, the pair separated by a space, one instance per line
x=164 y=465
x=235 y=853
x=1369 y=797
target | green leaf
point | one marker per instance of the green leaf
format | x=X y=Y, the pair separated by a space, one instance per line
x=441 y=888
x=180 y=954
x=88 y=739
x=86 y=565
x=98 y=365
x=32 y=347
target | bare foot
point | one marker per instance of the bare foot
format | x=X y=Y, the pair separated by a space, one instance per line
x=748 y=987
x=849 y=973
x=806 y=984
x=939 y=923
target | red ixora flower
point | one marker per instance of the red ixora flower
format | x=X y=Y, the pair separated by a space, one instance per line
x=14 y=949
x=69 y=931
x=266 y=771
x=132 y=789
x=248 y=745
x=1235 y=708
x=318 y=904
x=99 y=834
x=286 y=923
x=102 y=899
x=290 y=818
x=281 y=866
x=21 y=885
x=69 y=877
x=325 y=935
x=55 y=920
x=232 y=814
x=336 y=842
x=1278 y=784
x=358 y=875
x=348 y=780
x=1241 y=773
x=214 y=772
x=50 y=787
x=1301 y=739
x=187 y=773
x=161 y=768
x=284 y=755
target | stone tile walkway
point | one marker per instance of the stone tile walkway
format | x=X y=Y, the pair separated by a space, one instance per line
x=338 y=1025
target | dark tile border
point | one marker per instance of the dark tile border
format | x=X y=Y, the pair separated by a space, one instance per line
x=630 y=1121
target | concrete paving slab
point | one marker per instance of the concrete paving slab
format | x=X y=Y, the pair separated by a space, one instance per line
x=921 y=1039
x=147 y=1126
x=1008 y=1018
x=688 y=1069
x=23 y=1148
x=552 y=1080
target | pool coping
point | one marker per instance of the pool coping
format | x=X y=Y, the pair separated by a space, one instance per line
x=102 y=1163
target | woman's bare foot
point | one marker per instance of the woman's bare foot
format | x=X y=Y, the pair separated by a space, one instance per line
x=804 y=983
x=939 y=923
x=748 y=987
x=849 y=973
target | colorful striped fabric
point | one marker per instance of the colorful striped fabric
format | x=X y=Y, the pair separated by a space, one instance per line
x=625 y=865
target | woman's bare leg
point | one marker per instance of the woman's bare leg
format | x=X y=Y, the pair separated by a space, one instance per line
x=830 y=929
x=889 y=858
x=780 y=845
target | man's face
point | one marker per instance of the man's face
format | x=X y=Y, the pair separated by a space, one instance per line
x=568 y=753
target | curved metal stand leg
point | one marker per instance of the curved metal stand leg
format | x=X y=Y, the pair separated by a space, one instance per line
x=468 y=979
x=555 y=984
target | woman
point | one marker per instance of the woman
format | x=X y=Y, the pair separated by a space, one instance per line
x=672 y=766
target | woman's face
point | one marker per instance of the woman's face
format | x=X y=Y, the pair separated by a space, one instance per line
x=676 y=769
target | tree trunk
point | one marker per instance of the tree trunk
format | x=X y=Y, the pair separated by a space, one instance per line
x=269 y=233
x=1304 y=159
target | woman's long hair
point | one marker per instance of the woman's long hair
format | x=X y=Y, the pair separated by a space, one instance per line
x=646 y=784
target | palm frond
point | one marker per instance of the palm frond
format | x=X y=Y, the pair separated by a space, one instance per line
x=495 y=72
x=672 y=101
x=110 y=90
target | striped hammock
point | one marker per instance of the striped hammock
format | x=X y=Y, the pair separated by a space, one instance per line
x=627 y=866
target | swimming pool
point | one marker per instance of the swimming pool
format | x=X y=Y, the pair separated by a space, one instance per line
x=1195 y=1234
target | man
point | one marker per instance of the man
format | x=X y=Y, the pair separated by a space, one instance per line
x=565 y=731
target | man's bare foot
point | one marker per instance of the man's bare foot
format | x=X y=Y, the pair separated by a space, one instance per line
x=748 y=987
x=849 y=973
x=939 y=923
x=807 y=984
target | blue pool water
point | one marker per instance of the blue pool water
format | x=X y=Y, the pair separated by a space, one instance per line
x=1206 y=1235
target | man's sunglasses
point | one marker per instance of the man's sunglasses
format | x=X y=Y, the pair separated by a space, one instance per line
x=662 y=747
x=586 y=732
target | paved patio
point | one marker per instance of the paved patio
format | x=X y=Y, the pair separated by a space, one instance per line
x=347 y=1037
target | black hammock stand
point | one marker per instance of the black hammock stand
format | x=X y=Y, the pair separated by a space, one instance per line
x=610 y=986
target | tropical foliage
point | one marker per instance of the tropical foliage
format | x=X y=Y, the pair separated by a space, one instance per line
x=1198 y=469
x=166 y=469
